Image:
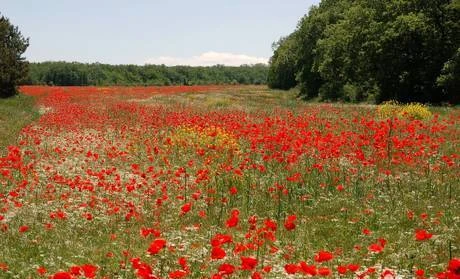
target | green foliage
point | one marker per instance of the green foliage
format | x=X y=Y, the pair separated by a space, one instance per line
x=13 y=67
x=449 y=79
x=65 y=73
x=368 y=50
x=282 y=71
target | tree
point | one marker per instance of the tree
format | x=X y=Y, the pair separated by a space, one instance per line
x=369 y=50
x=449 y=80
x=282 y=71
x=13 y=67
x=74 y=73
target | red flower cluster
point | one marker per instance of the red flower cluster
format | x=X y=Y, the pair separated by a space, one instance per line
x=156 y=246
x=289 y=224
x=86 y=270
x=422 y=235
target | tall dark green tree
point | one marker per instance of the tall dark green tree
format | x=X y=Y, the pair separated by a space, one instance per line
x=363 y=50
x=283 y=68
x=311 y=29
x=13 y=67
x=449 y=80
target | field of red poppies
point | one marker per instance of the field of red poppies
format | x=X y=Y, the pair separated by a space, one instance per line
x=227 y=182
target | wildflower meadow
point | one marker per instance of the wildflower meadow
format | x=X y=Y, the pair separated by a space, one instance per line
x=228 y=182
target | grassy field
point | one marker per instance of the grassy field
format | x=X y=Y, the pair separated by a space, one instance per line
x=15 y=113
x=247 y=98
x=227 y=182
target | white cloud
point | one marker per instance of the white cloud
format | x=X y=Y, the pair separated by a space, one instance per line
x=209 y=58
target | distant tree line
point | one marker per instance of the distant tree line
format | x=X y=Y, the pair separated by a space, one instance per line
x=73 y=73
x=371 y=50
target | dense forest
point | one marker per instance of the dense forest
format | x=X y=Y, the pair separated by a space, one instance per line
x=368 y=50
x=66 y=73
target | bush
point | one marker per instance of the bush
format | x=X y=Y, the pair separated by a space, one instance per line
x=394 y=109
x=388 y=109
x=415 y=111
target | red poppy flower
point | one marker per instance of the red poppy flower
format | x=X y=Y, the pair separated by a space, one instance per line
x=410 y=215
x=324 y=271
x=41 y=270
x=323 y=256
x=270 y=224
x=217 y=253
x=147 y=231
x=182 y=261
x=233 y=190
x=75 y=270
x=421 y=235
x=248 y=263
x=267 y=269
x=296 y=177
x=156 y=246
x=454 y=268
x=291 y=268
x=143 y=270
x=232 y=222
x=420 y=272
x=89 y=270
x=186 y=208
x=308 y=269
x=226 y=269
x=177 y=274
x=387 y=274
x=353 y=267
x=23 y=229
x=341 y=269
x=382 y=242
x=289 y=224
x=375 y=248
x=234 y=219
x=220 y=239
x=62 y=275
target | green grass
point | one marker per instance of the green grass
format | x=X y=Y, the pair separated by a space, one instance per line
x=15 y=113
x=245 y=98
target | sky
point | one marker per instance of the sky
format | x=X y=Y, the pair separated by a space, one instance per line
x=170 y=32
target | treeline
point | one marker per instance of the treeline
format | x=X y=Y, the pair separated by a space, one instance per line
x=368 y=50
x=73 y=73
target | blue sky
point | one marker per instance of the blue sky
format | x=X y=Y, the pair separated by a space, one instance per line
x=194 y=32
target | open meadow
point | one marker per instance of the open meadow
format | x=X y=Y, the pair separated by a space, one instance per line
x=227 y=182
